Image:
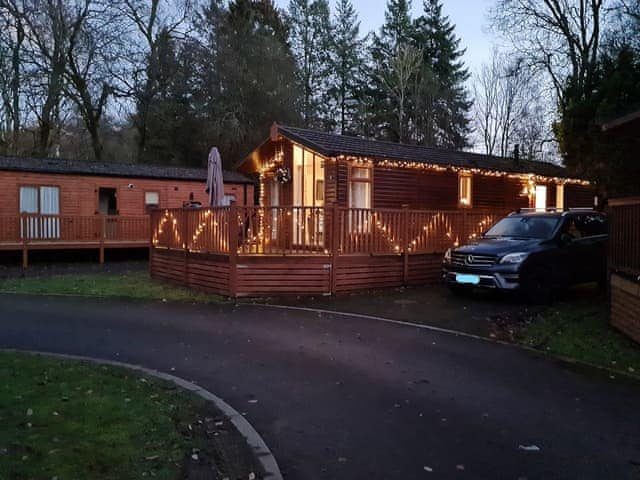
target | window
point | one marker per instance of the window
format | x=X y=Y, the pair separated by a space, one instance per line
x=541 y=197
x=151 y=200
x=227 y=199
x=560 y=196
x=464 y=190
x=40 y=200
x=360 y=187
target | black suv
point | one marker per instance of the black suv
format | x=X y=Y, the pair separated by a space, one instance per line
x=533 y=252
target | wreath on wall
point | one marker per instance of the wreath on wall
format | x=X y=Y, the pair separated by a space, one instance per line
x=283 y=175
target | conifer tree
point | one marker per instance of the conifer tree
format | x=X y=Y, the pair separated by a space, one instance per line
x=442 y=117
x=310 y=37
x=346 y=63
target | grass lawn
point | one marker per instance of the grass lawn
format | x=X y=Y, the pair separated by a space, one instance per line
x=136 y=285
x=65 y=419
x=580 y=329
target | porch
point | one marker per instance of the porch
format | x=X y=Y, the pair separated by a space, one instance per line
x=245 y=251
x=29 y=232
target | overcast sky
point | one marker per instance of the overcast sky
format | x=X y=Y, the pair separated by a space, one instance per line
x=469 y=17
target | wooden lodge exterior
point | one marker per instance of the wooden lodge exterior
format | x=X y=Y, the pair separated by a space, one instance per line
x=624 y=239
x=338 y=214
x=415 y=176
x=63 y=204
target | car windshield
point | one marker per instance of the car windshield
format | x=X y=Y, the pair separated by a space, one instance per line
x=524 y=227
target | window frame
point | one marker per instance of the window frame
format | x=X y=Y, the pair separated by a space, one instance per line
x=38 y=187
x=147 y=206
x=462 y=177
x=351 y=179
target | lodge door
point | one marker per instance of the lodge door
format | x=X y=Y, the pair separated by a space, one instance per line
x=108 y=206
x=308 y=198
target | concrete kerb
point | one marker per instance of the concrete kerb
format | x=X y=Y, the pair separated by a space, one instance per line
x=254 y=440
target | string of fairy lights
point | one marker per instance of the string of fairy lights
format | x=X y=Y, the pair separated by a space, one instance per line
x=256 y=231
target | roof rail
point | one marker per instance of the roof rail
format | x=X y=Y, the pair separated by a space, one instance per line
x=533 y=210
x=581 y=209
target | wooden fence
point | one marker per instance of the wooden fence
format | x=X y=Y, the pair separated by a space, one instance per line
x=624 y=265
x=306 y=250
x=30 y=232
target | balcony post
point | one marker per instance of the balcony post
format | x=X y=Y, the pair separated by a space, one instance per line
x=103 y=233
x=405 y=244
x=234 y=232
x=335 y=244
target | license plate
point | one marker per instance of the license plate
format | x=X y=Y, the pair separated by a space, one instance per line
x=469 y=279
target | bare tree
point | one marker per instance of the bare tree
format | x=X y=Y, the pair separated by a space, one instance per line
x=94 y=53
x=400 y=81
x=150 y=21
x=12 y=39
x=559 y=37
x=509 y=108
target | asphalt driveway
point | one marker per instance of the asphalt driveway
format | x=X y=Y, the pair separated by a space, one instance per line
x=350 y=398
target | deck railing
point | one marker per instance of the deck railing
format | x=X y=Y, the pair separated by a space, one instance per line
x=52 y=229
x=624 y=238
x=316 y=230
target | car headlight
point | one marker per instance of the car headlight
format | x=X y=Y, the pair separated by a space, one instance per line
x=447 y=256
x=518 y=257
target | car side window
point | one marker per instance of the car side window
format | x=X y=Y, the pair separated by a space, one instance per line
x=573 y=227
x=591 y=224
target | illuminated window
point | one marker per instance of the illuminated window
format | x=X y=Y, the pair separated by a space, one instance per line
x=560 y=197
x=151 y=200
x=541 y=197
x=464 y=190
x=360 y=187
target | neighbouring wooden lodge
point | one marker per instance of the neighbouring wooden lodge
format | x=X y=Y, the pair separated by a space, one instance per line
x=624 y=239
x=64 y=204
x=339 y=213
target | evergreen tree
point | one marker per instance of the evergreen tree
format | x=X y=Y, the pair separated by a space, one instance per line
x=346 y=68
x=395 y=34
x=441 y=118
x=310 y=39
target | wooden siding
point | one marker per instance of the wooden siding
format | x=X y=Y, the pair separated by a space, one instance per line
x=79 y=194
x=298 y=275
x=578 y=196
x=625 y=306
x=206 y=273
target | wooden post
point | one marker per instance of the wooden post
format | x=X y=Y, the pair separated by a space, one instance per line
x=103 y=232
x=335 y=244
x=24 y=233
x=405 y=244
x=233 y=249
x=184 y=226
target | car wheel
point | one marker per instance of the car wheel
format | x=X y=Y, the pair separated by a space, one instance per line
x=537 y=287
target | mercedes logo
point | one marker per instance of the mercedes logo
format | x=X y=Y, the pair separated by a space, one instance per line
x=469 y=259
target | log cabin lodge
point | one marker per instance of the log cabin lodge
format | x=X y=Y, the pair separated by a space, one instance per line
x=64 y=204
x=337 y=214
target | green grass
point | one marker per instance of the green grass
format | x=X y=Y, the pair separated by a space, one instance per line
x=580 y=330
x=73 y=420
x=137 y=285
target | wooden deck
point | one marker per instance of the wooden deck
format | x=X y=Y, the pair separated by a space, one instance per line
x=27 y=232
x=247 y=251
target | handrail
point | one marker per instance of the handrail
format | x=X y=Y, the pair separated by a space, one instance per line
x=291 y=230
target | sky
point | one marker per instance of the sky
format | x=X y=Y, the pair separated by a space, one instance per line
x=469 y=17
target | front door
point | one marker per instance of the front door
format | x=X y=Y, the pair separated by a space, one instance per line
x=308 y=198
x=108 y=206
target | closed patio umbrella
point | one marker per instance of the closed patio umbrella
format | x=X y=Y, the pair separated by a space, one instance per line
x=215 y=184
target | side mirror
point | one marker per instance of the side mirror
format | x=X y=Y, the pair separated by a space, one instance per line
x=566 y=239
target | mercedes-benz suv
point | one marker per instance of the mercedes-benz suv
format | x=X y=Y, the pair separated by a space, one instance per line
x=533 y=252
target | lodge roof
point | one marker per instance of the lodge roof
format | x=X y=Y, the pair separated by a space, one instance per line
x=111 y=169
x=331 y=145
x=621 y=121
